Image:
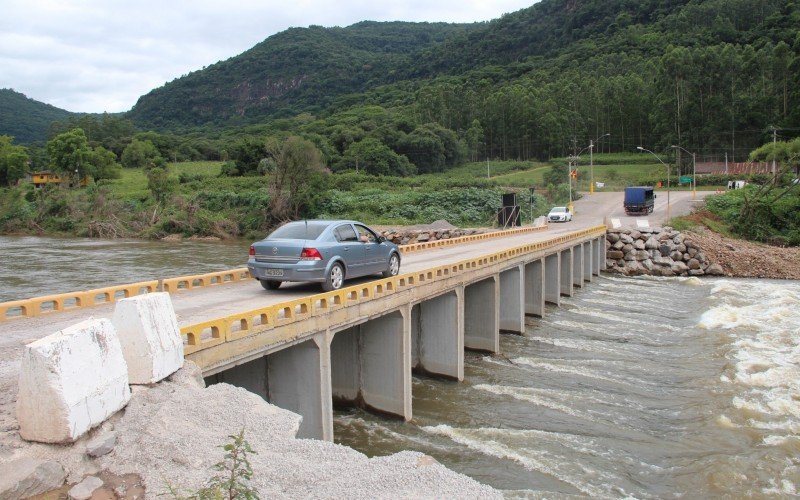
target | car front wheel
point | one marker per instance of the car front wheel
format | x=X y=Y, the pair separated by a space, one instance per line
x=334 y=279
x=394 y=266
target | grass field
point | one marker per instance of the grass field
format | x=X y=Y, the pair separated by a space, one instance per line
x=133 y=182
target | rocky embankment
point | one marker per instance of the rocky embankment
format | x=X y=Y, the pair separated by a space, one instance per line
x=657 y=252
x=423 y=233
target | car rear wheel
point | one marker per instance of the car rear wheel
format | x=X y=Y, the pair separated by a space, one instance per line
x=394 y=266
x=270 y=284
x=335 y=278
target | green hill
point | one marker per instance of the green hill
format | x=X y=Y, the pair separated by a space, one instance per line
x=25 y=119
x=297 y=70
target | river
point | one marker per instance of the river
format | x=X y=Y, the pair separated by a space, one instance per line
x=642 y=387
x=31 y=266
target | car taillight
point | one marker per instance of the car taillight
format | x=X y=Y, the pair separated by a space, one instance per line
x=252 y=251
x=310 y=254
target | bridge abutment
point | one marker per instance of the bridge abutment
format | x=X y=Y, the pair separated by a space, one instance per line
x=482 y=315
x=534 y=288
x=512 y=300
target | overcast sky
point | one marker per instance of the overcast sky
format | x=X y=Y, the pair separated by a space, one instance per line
x=102 y=55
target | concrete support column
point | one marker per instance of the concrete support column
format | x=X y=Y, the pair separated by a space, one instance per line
x=588 y=260
x=371 y=365
x=299 y=381
x=577 y=265
x=437 y=330
x=566 y=272
x=482 y=315
x=552 y=278
x=512 y=300
x=534 y=288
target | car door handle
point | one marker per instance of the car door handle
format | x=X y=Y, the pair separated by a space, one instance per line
x=346 y=249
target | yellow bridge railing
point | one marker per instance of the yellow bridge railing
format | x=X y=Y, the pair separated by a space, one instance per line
x=210 y=333
x=48 y=304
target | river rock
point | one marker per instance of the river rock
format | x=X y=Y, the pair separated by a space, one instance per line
x=635 y=234
x=625 y=238
x=615 y=254
x=26 y=477
x=84 y=489
x=664 y=237
x=656 y=271
x=642 y=255
x=638 y=245
x=679 y=267
x=630 y=256
x=651 y=243
x=612 y=237
x=423 y=237
x=678 y=239
x=648 y=264
x=693 y=264
x=667 y=272
x=627 y=248
x=681 y=248
x=676 y=255
x=619 y=245
x=696 y=272
x=715 y=270
x=664 y=250
x=692 y=251
x=101 y=444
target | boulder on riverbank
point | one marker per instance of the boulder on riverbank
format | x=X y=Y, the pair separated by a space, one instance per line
x=657 y=252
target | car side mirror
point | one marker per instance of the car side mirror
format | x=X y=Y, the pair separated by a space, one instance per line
x=381 y=239
x=655 y=196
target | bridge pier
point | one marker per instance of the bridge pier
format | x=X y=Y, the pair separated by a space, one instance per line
x=577 y=266
x=599 y=255
x=482 y=315
x=534 y=288
x=552 y=276
x=371 y=365
x=296 y=378
x=588 y=260
x=437 y=335
x=512 y=300
x=566 y=272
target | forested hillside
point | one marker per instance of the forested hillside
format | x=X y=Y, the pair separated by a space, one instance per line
x=25 y=119
x=300 y=69
x=713 y=76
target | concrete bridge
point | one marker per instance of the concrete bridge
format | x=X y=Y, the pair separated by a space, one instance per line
x=359 y=345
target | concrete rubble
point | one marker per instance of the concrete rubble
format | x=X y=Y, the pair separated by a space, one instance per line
x=70 y=382
x=150 y=337
x=656 y=252
x=170 y=434
x=26 y=477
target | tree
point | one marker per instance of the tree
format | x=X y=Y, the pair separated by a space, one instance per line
x=105 y=163
x=373 y=157
x=70 y=154
x=13 y=161
x=160 y=183
x=141 y=154
x=294 y=162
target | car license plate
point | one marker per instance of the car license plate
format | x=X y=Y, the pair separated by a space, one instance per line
x=273 y=272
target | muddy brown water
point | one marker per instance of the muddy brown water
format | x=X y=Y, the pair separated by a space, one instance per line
x=640 y=387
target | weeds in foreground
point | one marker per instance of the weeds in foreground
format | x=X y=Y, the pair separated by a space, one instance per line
x=233 y=478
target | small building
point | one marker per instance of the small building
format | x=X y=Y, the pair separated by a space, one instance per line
x=40 y=179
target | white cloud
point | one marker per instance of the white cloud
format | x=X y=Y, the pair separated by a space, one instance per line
x=102 y=55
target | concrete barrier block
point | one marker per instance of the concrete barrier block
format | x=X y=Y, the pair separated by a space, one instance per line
x=150 y=337
x=71 y=381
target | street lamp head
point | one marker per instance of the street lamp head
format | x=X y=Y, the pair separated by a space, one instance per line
x=640 y=148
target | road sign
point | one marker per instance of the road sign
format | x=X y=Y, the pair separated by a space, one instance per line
x=685 y=179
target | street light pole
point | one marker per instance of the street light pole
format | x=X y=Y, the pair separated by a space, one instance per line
x=659 y=159
x=694 y=170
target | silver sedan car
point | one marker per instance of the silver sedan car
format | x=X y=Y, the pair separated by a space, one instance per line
x=323 y=251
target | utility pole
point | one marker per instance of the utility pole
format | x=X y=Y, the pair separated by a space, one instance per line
x=774 y=141
x=694 y=175
x=591 y=166
x=487 y=169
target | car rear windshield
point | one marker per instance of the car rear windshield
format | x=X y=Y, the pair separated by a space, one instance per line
x=558 y=209
x=299 y=231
